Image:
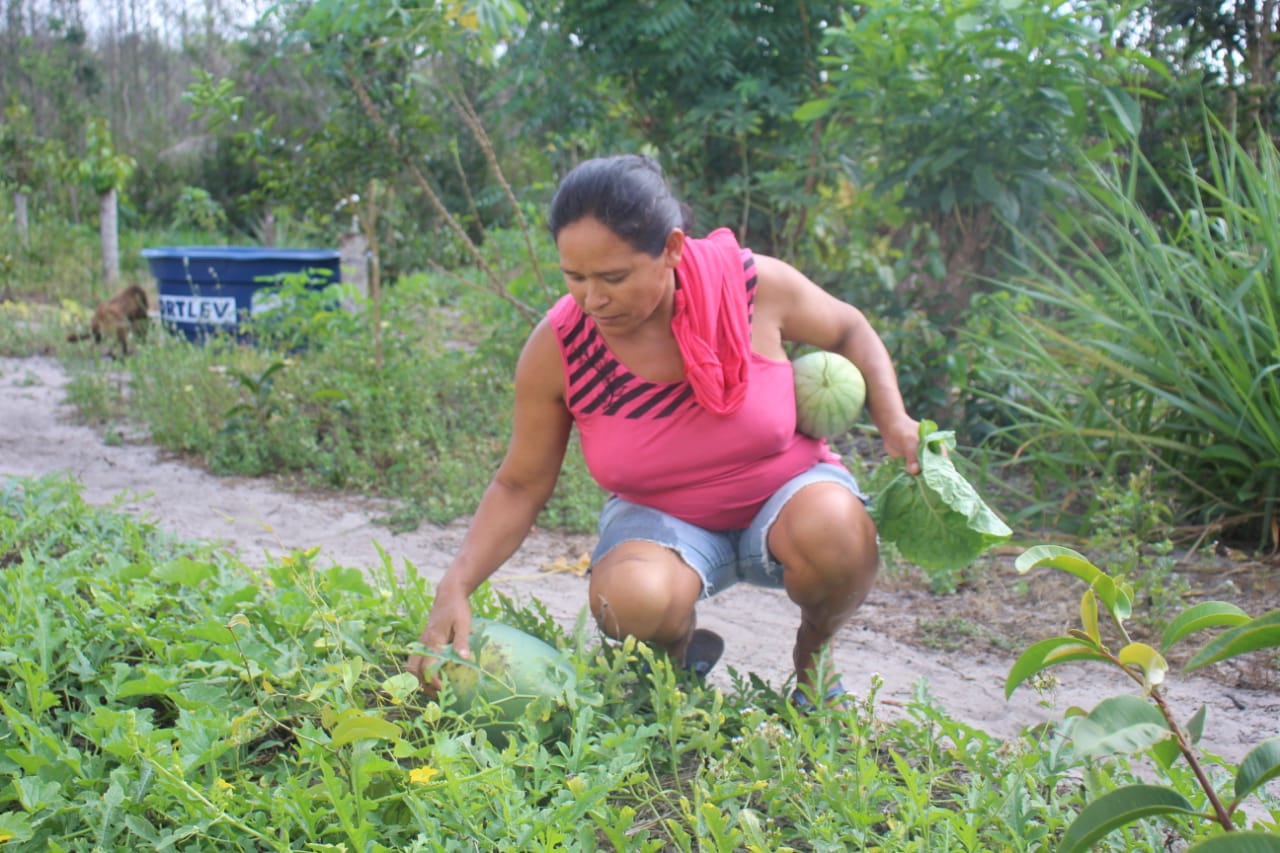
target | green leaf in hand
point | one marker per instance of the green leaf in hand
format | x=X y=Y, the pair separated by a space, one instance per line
x=935 y=519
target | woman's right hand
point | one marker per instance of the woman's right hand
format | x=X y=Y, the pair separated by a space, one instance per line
x=510 y=504
x=448 y=623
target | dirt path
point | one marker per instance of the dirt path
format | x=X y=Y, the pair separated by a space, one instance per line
x=987 y=626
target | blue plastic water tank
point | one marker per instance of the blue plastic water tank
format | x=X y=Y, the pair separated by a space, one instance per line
x=206 y=290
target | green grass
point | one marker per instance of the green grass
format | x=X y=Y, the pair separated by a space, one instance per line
x=34 y=328
x=161 y=695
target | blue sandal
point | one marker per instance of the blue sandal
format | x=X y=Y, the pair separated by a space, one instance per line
x=836 y=697
x=705 y=648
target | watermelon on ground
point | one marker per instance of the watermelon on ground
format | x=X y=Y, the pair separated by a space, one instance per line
x=509 y=669
x=830 y=393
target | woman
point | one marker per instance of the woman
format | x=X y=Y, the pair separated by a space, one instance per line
x=667 y=354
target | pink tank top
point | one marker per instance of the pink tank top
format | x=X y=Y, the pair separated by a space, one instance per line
x=653 y=444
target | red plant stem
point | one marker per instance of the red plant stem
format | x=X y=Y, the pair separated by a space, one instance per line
x=1184 y=745
x=1224 y=816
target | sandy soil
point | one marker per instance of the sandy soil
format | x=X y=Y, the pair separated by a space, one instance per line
x=960 y=645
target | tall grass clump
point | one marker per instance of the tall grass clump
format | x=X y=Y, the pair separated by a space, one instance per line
x=1135 y=340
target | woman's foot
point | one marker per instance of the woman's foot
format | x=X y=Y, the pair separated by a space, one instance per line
x=703 y=651
x=836 y=698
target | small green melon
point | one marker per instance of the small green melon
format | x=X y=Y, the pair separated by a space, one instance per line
x=509 y=669
x=830 y=393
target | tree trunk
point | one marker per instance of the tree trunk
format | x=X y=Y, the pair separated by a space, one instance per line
x=1260 y=59
x=966 y=236
x=20 y=218
x=109 y=233
x=369 y=228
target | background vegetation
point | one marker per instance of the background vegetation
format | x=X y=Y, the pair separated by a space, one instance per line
x=1062 y=219
x=964 y=170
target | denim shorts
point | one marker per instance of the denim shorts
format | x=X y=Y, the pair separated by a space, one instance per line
x=721 y=558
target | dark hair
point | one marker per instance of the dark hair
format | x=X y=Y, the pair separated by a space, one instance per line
x=628 y=194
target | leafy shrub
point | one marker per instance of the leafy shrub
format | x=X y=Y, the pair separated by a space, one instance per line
x=1134 y=342
x=936 y=366
x=1131 y=533
x=1128 y=724
x=199 y=211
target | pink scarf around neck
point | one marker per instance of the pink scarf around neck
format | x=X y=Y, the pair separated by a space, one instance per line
x=710 y=321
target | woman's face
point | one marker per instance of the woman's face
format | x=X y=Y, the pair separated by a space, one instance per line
x=618 y=286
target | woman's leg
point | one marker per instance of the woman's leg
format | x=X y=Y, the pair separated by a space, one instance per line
x=644 y=590
x=826 y=543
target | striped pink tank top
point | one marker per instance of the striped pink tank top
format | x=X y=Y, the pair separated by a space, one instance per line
x=653 y=444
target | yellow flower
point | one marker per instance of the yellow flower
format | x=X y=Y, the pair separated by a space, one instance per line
x=422 y=775
x=223 y=785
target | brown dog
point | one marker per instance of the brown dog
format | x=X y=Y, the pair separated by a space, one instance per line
x=117 y=317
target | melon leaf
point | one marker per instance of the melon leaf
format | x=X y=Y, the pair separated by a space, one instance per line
x=935 y=519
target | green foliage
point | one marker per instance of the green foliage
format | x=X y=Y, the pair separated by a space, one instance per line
x=952 y=121
x=302 y=308
x=246 y=420
x=1130 y=530
x=711 y=89
x=198 y=210
x=956 y=120
x=1131 y=342
x=1127 y=724
x=160 y=694
x=56 y=263
x=968 y=114
x=388 y=108
x=972 y=103
x=1230 y=47
x=48 y=66
x=97 y=389
x=34 y=329
x=102 y=166
x=18 y=148
x=936 y=519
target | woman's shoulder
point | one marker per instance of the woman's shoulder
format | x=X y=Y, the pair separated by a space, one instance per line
x=774 y=280
x=542 y=341
x=778 y=281
x=541 y=362
x=772 y=270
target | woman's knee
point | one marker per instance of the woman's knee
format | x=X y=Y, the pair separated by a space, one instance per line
x=825 y=539
x=643 y=590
